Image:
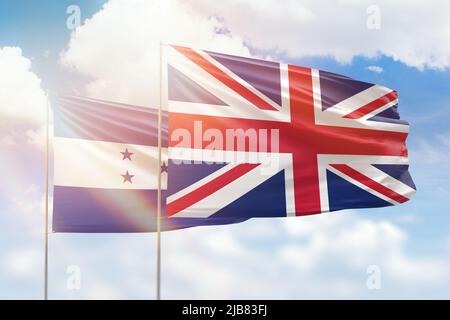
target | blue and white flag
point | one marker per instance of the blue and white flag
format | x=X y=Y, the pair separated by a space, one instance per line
x=106 y=168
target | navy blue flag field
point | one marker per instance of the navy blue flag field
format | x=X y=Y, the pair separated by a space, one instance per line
x=241 y=138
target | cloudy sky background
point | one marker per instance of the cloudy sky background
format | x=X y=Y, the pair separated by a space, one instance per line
x=114 y=55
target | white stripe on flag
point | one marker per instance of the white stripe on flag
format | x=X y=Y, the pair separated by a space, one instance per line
x=100 y=164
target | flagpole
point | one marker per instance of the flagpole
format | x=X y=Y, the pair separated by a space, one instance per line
x=158 y=218
x=47 y=136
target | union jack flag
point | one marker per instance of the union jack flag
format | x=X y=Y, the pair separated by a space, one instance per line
x=324 y=142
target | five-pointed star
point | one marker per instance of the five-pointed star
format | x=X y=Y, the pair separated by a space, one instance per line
x=127 y=155
x=127 y=177
x=164 y=167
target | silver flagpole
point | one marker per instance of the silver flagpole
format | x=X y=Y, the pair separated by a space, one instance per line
x=158 y=218
x=47 y=137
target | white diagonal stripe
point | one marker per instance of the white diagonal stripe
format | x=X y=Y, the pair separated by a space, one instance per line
x=355 y=161
x=385 y=179
x=238 y=79
x=358 y=100
x=333 y=116
x=226 y=195
x=200 y=182
x=362 y=186
x=380 y=109
x=237 y=106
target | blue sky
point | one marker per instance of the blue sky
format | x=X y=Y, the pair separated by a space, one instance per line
x=414 y=236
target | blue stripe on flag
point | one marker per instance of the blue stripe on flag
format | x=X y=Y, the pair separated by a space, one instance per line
x=106 y=121
x=83 y=210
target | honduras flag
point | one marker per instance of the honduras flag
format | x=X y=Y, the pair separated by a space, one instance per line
x=106 y=169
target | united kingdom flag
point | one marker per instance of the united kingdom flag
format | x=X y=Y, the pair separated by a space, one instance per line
x=253 y=138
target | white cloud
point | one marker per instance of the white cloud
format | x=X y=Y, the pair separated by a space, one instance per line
x=357 y=242
x=23 y=105
x=23 y=262
x=37 y=136
x=23 y=102
x=406 y=218
x=324 y=256
x=30 y=201
x=47 y=53
x=118 y=48
x=7 y=140
x=29 y=206
x=339 y=28
x=21 y=94
x=376 y=69
x=111 y=266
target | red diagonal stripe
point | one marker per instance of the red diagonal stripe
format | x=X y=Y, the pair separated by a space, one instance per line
x=209 y=188
x=224 y=78
x=368 y=182
x=371 y=106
